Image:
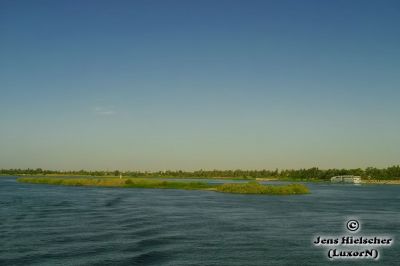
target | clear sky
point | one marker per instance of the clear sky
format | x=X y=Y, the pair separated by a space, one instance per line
x=155 y=85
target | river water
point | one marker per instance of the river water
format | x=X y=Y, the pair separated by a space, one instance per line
x=59 y=225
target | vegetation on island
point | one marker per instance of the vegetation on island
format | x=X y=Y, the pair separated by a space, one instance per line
x=311 y=174
x=244 y=188
x=257 y=188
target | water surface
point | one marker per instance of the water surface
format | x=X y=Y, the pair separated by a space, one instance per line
x=59 y=225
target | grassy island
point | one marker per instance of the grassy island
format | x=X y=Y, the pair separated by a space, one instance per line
x=257 y=188
x=239 y=188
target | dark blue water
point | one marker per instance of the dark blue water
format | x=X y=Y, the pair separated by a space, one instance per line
x=58 y=225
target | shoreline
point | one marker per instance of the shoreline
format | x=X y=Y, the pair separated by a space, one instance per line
x=262 y=179
x=381 y=182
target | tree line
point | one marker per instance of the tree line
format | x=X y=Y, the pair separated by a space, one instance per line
x=392 y=172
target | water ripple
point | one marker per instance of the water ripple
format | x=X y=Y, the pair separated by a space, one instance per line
x=50 y=225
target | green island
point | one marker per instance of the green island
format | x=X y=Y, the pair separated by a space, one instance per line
x=252 y=187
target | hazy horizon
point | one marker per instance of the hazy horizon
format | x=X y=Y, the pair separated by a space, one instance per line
x=158 y=85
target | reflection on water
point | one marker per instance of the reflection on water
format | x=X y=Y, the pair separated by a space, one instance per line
x=55 y=225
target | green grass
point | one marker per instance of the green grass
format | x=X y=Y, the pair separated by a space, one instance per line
x=142 y=183
x=257 y=188
x=116 y=182
x=240 y=188
x=127 y=176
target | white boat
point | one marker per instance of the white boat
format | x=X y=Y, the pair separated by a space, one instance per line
x=349 y=179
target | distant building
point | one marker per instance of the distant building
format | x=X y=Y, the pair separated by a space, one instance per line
x=351 y=179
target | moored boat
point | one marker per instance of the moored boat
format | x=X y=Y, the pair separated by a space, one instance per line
x=350 y=179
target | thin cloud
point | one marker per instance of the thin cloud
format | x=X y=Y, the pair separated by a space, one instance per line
x=104 y=110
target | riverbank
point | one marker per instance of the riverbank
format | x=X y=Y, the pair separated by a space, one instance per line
x=155 y=177
x=363 y=181
x=246 y=188
x=381 y=182
x=288 y=179
x=125 y=177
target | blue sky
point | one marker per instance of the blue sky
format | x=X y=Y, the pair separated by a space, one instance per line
x=155 y=85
